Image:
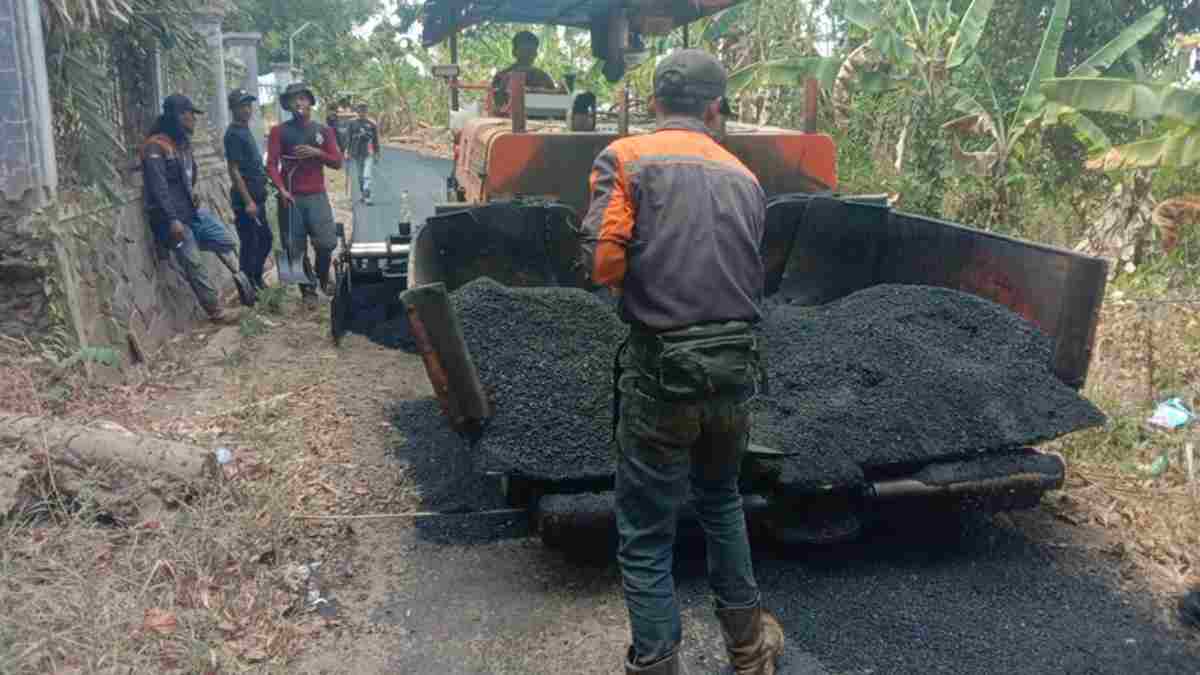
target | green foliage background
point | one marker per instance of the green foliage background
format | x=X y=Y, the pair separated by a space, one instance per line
x=1048 y=194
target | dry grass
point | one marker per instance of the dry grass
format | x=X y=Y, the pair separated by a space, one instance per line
x=204 y=582
x=1146 y=352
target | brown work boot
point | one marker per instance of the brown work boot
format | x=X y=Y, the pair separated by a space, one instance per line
x=753 y=638
x=671 y=665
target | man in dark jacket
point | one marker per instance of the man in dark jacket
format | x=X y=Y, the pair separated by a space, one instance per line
x=298 y=151
x=674 y=228
x=363 y=144
x=248 y=187
x=169 y=173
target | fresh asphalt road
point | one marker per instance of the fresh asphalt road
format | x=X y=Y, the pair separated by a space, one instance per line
x=422 y=176
x=473 y=594
x=982 y=598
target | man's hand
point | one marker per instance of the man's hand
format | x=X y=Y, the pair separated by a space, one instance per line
x=252 y=209
x=286 y=197
x=308 y=152
x=176 y=232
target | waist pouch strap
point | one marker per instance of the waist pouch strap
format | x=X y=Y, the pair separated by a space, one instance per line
x=616 y=393
x=703 y=361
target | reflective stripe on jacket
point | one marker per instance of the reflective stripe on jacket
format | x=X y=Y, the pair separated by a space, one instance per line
x=675 y=223
x=168 y=179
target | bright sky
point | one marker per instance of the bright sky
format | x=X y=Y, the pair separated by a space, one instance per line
x=389 y=9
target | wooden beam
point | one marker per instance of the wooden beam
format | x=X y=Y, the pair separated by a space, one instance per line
x=516 y=101
x=812 y=92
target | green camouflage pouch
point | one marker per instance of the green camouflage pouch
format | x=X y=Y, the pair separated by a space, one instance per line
x=707 y=360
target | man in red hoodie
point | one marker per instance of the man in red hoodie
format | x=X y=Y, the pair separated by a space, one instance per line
x=298 y=151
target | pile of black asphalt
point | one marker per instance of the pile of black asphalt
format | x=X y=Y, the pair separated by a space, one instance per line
x=891 y=375
x=903 y=374
x=545 y=357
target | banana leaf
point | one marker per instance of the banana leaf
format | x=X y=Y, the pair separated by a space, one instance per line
x=1103 y=59
x=1085 y=129
x=970 y=30
x=1176 y=149
x=1140 y=100
x=1044 y=68
x=721 y=22
x=786 y=73
x=863 y=14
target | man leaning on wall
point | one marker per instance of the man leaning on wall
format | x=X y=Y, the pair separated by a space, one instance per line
x=169 y=171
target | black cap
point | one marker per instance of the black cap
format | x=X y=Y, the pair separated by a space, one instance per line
x=178 y=103
x=361 y=107
x=691 y=76
x=240 y=96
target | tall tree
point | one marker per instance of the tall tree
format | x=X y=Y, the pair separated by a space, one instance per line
x=319 y=46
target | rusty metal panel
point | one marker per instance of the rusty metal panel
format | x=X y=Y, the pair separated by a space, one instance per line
x=553 y=165
x=840 y=247
x=557 y=165
x=787 y=162
x=515 y=243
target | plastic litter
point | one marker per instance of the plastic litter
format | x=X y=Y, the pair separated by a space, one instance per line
x=1171 y=414
x=1158 y=467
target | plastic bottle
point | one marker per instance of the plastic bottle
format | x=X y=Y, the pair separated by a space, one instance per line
x=405 y=207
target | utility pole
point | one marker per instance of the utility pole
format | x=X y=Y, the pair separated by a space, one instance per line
x=292 y=46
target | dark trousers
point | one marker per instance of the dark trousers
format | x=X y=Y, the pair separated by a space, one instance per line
x=257 y=240
x=670 y=452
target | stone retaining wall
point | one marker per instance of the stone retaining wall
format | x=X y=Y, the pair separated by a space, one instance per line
x=95 y=269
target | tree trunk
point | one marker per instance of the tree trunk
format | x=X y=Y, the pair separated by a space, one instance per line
x=70 y=467
x=107 y=446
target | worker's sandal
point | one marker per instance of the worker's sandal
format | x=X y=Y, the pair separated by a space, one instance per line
x=670 y=665
x=753 y=638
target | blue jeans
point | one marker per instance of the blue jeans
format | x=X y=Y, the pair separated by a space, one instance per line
x=362 y=171
x=665 y=449
x=205 y=233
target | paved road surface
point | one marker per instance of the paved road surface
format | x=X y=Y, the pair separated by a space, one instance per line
x=422 y=176
x=984 y=599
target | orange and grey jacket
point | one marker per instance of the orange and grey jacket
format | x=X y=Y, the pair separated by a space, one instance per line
x=675 y=223
x=169 y=174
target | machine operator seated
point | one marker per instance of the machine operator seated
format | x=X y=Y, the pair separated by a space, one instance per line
x=524 y=49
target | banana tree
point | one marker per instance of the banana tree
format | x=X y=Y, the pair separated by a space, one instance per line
x=907 y=54
x=1033 y=108
x=765 y=71
x=1174 y=107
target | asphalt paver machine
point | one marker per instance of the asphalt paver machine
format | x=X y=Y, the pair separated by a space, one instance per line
x=520 y=188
